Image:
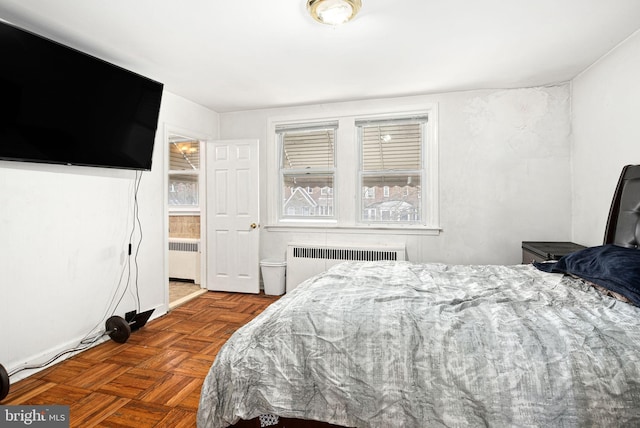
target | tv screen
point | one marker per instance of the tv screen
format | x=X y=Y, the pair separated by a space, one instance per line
x=59 y=105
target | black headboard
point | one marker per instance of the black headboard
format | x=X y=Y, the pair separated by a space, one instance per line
x=623 y=224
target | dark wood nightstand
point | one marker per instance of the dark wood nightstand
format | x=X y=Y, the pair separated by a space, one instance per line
x=544 y=251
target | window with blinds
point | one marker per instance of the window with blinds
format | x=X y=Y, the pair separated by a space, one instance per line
x=307 y=170
x=184 y=172
x=391 y=169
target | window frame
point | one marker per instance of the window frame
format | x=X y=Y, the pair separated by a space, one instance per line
x=346 y=204
x=280 y=130
x=421 y=171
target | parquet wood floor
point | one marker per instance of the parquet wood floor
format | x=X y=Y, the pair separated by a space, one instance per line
x=154 y=379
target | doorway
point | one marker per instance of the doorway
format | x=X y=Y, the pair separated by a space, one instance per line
x=185 y=213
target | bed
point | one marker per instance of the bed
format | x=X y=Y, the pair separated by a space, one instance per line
x=400 y=344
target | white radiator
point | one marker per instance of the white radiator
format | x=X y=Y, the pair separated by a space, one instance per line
x=184 y=259
x=307 y=260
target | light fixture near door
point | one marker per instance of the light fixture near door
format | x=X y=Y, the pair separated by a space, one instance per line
x=333 y=12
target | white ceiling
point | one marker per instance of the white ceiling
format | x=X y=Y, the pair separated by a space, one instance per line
x=232 y=55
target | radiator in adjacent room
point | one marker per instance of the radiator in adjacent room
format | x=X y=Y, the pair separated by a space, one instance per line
x=184 y=259
x=307 y=260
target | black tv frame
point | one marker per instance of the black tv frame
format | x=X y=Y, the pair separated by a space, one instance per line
x=63 y=106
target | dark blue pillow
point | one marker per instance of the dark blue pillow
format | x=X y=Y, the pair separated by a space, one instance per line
x=613 y=267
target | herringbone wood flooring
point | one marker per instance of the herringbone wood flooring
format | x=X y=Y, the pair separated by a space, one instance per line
x=154 y=379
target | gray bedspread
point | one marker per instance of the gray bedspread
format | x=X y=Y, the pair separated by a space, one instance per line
x=389 y=344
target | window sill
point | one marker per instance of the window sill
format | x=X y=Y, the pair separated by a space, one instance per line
x=364 y=229
x=184 y=211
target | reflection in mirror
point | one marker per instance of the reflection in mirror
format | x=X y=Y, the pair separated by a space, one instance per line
x=184 y=154
x=183 y=192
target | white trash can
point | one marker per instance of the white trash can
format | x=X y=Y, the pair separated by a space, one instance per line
x=273 y=273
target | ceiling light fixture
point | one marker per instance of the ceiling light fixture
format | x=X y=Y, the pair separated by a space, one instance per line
x=333 y=12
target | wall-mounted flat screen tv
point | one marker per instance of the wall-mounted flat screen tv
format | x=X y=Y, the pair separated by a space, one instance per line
x=59 y=105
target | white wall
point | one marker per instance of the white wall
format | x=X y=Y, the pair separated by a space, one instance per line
x=64 y=234
x=606 y=135
x=504 y=173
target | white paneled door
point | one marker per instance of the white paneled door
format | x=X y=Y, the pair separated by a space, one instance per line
x=232 y=216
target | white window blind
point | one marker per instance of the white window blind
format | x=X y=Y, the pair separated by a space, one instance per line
x=184 y=172
x=184 y=155
x=305 y=147
x=392 y=144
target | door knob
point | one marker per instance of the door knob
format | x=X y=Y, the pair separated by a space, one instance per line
x=253 y=225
